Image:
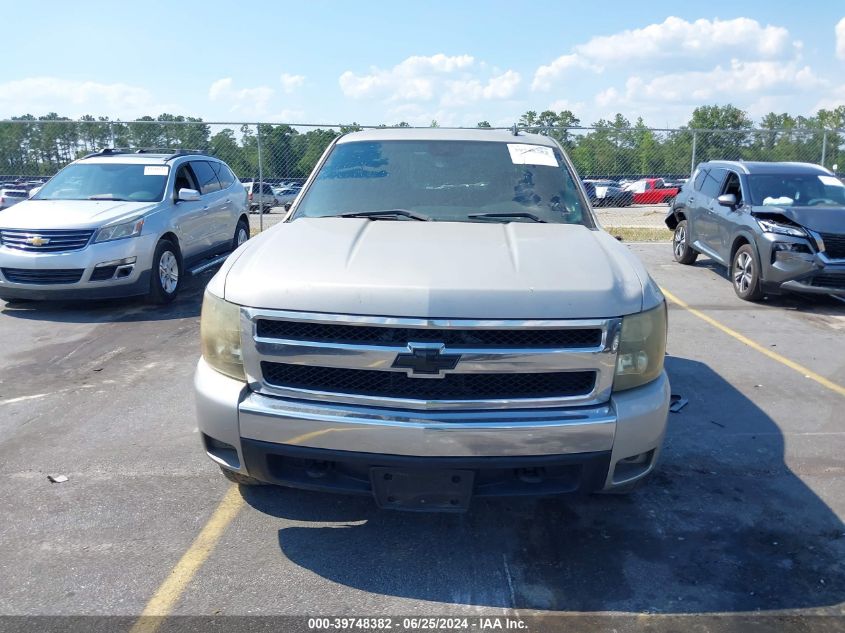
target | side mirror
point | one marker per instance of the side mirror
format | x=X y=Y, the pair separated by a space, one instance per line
x=727 y=200
x=189 y=195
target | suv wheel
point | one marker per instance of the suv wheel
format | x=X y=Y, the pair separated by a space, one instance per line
x=241 y=233
x=745 y=274
x=681 y=249
x=166 y=273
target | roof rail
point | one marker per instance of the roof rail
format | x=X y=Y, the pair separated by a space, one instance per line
x=168 y=151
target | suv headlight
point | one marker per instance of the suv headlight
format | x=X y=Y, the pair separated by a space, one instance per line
x=220 y=332
x=770 y=226
x=642 y=346
x=132 y=228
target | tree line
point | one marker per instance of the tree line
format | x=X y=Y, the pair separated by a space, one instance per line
x=607 y=147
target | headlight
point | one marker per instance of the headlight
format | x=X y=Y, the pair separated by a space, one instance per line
x=770 y=226
x=220 y=332
x=132 y=228
x=642 y=346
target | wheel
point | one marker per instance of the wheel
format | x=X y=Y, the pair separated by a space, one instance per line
x=242 y=480
x=241 y=233
x=166 y=273
x=745 y=274
x=681 y=249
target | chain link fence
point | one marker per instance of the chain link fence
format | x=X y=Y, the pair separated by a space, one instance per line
x=282 y=155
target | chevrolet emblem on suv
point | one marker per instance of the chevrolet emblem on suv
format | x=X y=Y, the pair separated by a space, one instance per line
x=37 y=240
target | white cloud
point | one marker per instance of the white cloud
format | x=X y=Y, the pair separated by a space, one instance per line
x=668 y=99
x=740 y=77
x=290 y=83
x=840 y=39
x=461 y=92
x=40 y=95
x=546 y=75
x=449 y=81
x=415 y=78
x=243 y=101
x=575 y=107
x=703 y=41
x=676 y=37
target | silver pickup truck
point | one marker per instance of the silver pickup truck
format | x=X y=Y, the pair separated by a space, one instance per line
x=440 y=318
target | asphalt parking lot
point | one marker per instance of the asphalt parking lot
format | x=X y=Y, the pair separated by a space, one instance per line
x=744 y=516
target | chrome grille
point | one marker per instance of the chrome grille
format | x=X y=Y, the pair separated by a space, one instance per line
x=478 y=364
x=342 y=333
x=45 y=240
x=389 y=384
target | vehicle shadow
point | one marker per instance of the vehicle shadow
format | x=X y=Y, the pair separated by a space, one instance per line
x=724 y=525
x=132 y=309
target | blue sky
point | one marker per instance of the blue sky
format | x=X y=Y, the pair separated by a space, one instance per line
x=458 y=62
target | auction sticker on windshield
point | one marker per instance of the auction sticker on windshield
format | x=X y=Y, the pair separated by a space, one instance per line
x=524 y=154
x=831 y=181
x=155 y=170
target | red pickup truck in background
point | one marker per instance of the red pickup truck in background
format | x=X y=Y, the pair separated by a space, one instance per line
x=652 y=191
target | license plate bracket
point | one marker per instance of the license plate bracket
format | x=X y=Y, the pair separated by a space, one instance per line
x=422 y=490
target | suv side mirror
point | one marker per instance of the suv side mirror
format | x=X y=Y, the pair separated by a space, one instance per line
x=727 y=200
x=189 y=195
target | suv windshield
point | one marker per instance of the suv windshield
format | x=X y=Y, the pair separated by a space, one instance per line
x=107 y=181
x=796 y=190
x=450 y=181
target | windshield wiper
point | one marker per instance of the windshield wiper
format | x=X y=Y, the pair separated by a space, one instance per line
x=517 y=214
x=107 y=196
x=387 y=214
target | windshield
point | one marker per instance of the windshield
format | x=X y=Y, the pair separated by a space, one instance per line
x=107 y=181
x=449 y=181
x=796 y=190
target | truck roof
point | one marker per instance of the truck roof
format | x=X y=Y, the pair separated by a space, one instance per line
x=446 y=134
x=764 y=167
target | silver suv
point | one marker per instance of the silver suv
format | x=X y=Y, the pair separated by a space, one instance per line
x=450 y=322
x=121 y=224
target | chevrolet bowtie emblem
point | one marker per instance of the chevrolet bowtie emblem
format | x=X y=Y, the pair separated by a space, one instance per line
x=426 y=360
x=37 y=240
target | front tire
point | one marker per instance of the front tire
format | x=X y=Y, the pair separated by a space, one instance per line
x=745 y=274
x=681 y=250
x=241 y=233
x=166 y=274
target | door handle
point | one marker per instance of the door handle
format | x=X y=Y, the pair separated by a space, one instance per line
x=690 y=200
x=205 y=208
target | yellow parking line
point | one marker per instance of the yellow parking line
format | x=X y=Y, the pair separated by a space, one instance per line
x=804 y=371
x=169 y=592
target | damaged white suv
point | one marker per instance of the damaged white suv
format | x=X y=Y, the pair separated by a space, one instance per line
x=441 y=318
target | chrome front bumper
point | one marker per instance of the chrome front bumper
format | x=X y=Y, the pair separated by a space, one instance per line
x=631 y=423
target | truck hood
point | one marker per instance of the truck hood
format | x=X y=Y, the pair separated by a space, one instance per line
x=69 y=214
x=437 y=270
x=822 y=219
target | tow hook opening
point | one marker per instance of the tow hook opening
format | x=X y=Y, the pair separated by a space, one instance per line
x=531 y=475
x=221 y=452
x=632 y=466
x=317 y=469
